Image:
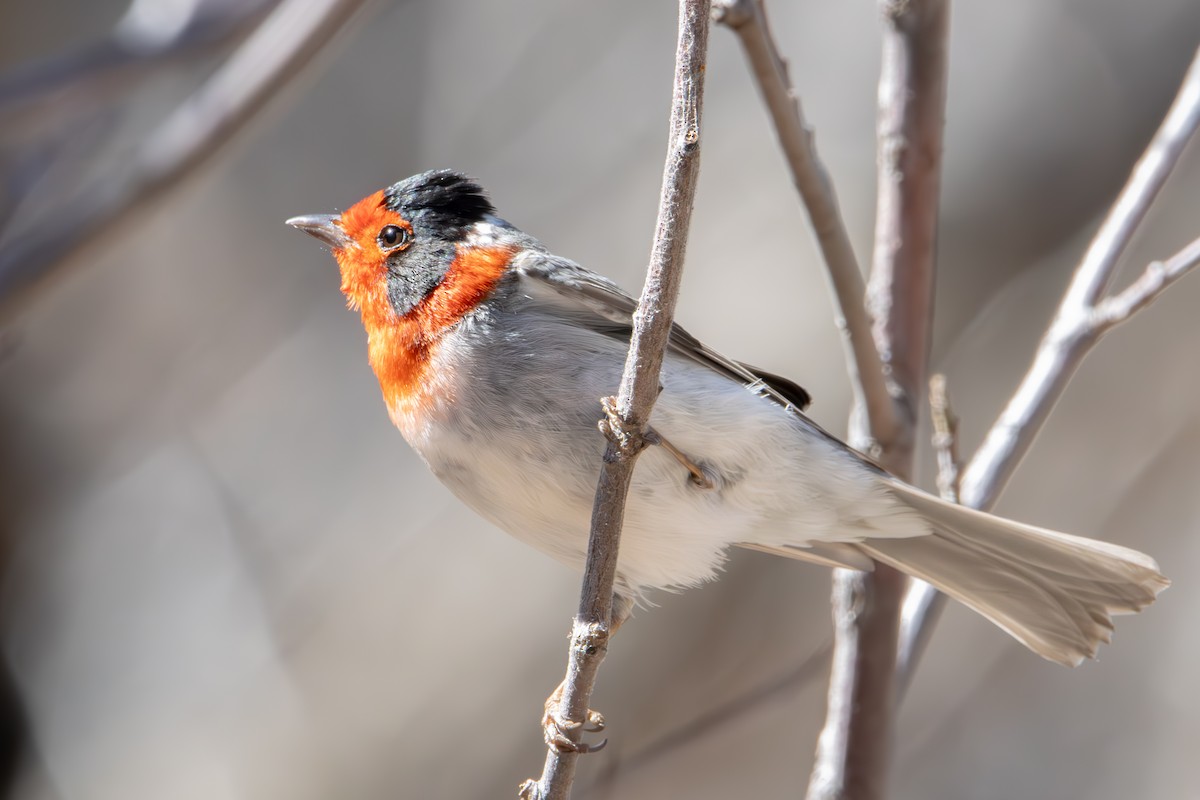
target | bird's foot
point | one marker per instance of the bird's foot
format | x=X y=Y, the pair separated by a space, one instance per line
x=556 y=730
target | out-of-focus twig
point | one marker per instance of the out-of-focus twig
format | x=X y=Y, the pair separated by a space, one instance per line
x=748 y=19
x=853 y=749
x=139 y=45
x=271 y=56
x=945 y=438
x=945 y=446
x=1081 y=319
x=687 y=732
x=630 y=411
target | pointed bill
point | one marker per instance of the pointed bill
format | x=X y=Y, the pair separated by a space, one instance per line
x=324 y=227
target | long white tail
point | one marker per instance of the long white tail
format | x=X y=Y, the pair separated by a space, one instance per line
x=1055 y=593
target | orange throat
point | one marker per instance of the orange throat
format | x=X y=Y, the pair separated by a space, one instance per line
x=401 y=350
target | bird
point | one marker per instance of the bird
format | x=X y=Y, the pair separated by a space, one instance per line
x=493 y=356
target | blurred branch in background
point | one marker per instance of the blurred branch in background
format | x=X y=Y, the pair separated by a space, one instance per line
x=151 y=33
x=197 y=129
x=68 y=100
x=887 y=368
x=748 y=19
x=853 y=751
x=629 y=413
x=1082 y=318
x=688 y=732
x=945 y=438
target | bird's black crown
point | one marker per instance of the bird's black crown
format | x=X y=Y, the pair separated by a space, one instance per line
x=442 y=197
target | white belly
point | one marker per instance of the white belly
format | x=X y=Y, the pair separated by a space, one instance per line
x=519 y=444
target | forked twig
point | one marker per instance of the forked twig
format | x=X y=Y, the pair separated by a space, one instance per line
x=1081 y=320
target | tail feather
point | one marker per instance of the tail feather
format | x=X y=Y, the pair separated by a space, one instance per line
x=1053 y=592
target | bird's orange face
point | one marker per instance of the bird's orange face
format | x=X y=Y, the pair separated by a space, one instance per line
x=411 y=268
x=376 y=233
x=393 y=277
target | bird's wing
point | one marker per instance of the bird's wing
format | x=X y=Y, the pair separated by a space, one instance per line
x=596 y=302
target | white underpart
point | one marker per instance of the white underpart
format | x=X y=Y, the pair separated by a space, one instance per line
x=520 y=445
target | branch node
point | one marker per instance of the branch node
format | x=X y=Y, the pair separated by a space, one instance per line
x=589 y=639
x=733 y=14
x=627 y=436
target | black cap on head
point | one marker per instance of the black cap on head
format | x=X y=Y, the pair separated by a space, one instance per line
x=443 y=199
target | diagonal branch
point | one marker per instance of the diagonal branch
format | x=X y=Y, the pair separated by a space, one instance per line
x=271 y=56
x=1081 y=319
x=854 y=747
x=1010 y=438
x=630 y=411
x=141 y=42
x=748 y=19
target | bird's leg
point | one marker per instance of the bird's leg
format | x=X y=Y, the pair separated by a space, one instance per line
x=615 y=429
x=699 y=478
x=554 y=727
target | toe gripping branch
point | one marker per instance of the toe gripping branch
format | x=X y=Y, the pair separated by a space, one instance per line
x=587 y=642
x=630 y=439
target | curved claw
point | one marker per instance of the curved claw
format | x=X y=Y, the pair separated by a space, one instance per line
x=592 y=748
x=554 y=731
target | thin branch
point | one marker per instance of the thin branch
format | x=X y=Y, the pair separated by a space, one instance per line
x=688 y=732
x=1052 y=369
x=1060 y=350
x=1157 y=278
x=1081 y=319
x=1149 y=174
x=945 y=438
x=945 y=445
x=272 y=55
x=629 y=413
x=853 y=749
x=748 y=19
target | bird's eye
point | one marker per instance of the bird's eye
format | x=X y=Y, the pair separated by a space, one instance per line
x=393 y=237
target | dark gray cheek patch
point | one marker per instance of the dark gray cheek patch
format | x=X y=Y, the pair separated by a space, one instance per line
x=413 y=274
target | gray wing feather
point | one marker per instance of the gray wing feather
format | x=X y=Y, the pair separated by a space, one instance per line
x=596 y=301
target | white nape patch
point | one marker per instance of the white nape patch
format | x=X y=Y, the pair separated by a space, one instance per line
x=482 y=234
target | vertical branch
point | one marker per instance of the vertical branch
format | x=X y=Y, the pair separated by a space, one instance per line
x=853 y=749
x=912 y=103
x=628 y=414
x=945 y=438
x=918 y=603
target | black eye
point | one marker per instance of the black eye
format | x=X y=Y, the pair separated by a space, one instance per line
x=392 y=237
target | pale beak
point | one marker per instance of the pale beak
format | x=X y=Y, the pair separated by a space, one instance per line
x=324 y=227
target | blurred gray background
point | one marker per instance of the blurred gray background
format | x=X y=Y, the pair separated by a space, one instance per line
x=228 y=577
